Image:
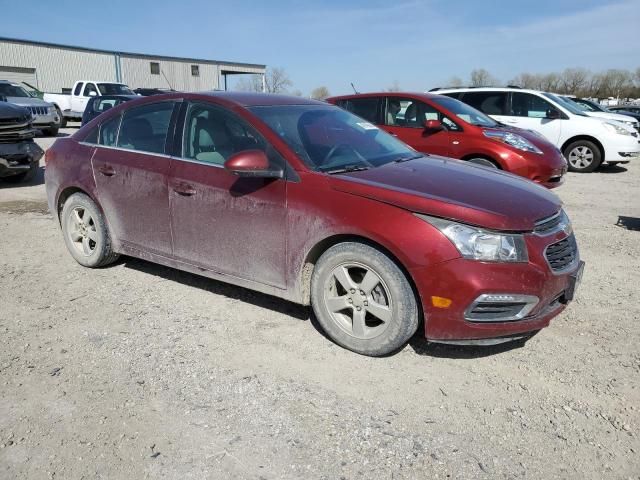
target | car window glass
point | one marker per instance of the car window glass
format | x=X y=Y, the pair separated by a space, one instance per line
x=92 y=136
x=527 y=105
x=491 y=103
x=89 y=87
x=145 y=128
x=366 y=108
x=102 y=105
x=411 y=113
x=212 y=135
x=109 y=132
x=78 y=89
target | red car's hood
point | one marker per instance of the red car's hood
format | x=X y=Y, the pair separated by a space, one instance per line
x=454 y=189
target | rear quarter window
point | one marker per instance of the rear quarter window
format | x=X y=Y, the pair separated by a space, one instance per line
x=490 y=103
x=366 y=108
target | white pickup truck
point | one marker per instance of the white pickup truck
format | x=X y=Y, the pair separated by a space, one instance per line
x=71 y=106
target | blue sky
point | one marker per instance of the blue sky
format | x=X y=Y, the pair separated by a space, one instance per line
x=373 y=43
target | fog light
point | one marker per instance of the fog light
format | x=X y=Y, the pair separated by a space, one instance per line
x=441 y=302
x=500 y=307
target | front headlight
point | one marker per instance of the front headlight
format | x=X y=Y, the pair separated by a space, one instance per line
x=478 y=244
x=516 y=141
x=51 y=109
x=616 y=128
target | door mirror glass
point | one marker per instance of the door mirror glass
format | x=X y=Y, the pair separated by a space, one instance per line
x=251 y=163
x=433 y=125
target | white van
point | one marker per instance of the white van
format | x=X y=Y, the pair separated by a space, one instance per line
x=585 y=141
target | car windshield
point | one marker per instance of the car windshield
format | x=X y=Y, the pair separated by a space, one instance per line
x=332 y=140
x=8 y=90
x=114 y=89
x=465 y=112
x=568 y=104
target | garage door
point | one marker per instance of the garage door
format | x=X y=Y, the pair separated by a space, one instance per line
x=19 y=75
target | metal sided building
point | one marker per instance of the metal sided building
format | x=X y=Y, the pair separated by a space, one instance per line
x=54 y=68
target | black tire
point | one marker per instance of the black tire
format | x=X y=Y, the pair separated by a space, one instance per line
x=51 y=132
x=484 y=162
x=98 y=252
x=63 y=120
x=25 y=176
x=392 y=294
x=582 y=156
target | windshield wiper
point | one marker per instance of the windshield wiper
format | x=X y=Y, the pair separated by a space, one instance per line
x=413 y=157
x=346 y=169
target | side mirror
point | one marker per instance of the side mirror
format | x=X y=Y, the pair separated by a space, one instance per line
x=93 y=94
x=251 y=163
x=433 y=125
x=553 y=114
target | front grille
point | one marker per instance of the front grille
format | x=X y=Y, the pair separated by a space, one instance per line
x=562 y=254
x=548 y=224
x=495 y=311
x=39 y=110
x=11 y=122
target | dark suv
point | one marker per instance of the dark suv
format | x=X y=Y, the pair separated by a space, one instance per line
x=19 y=154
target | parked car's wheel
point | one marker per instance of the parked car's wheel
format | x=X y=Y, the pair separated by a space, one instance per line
x=363 y=300
x=63 y=121
x=582 y=156
x=51 y=132
x=85 y=232
x=485 y=162
x=25 y=176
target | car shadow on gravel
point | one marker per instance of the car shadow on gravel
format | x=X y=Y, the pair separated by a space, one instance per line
x=468 y=352
x=606 y=168
x=258 y=299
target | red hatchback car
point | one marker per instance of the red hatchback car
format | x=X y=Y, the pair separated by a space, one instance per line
x=306 y=201
x=440 y=125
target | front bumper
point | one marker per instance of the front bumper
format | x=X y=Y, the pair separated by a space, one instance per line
x=18 y=157
x=464 y=281
x=623 y=151
x=48 y=120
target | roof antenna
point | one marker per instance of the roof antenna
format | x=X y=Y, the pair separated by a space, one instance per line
x=167 y=80
x=354 y=89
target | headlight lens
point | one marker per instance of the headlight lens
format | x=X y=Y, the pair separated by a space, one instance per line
x=616 y=128
x=51 y=109
x=516 y=141
x=478 y=244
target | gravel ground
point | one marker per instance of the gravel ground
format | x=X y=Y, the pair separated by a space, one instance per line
x=140 y=371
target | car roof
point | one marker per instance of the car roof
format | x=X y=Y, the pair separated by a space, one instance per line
x=486 y=89
x=244 y=99
x=386 y=94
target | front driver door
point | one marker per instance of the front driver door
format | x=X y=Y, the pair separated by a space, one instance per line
x=531 y=113
x=225 y=223
x=130 y=168
x=404 y=118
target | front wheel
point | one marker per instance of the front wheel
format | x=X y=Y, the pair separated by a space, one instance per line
x=63 y=120
x=85 y=232
x=363 y=300
x=485 y=162
x=583 y=156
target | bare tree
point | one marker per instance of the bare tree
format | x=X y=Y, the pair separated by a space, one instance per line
x=527 y=80
x=320 y=93
x=395 y=87
x=276 y=80
x=574 y=80
x=481 y=78
x=454 y=82
x=550 y=82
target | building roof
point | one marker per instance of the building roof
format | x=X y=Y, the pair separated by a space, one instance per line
x=133 y=54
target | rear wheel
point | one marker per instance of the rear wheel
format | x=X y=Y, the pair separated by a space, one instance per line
x=363 y=300
x=85 y=232
x=583 y=156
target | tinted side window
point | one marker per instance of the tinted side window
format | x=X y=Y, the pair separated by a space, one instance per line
x=366 y=108
x=456 y=95
x=491 y=103
x=102 y=105
x=212 y=135
x=527 y=105
x=88 y=88
x=78 y=89
x=92 y=136
x=109 y=132
x=145 y=128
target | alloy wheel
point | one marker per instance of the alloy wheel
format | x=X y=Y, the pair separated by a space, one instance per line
x=581 y=157
x=82 y=231
x=358 y=300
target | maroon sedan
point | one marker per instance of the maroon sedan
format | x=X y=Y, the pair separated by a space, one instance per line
x=445 y=126
x=305 y=201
